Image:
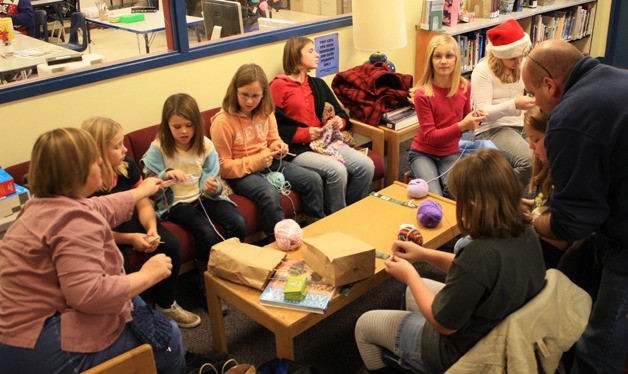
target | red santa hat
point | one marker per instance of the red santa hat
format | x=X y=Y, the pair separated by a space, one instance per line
x=507 y=40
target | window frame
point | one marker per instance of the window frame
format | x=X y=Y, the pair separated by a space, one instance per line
x=180 y=53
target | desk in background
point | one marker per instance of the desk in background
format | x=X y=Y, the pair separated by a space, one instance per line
x=39 y=51
x=152 y=23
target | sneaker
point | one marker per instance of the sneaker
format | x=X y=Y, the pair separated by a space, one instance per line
x=182 y=317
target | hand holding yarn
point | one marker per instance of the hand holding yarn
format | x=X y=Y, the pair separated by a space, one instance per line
x=288 y=235
x=429 y=214
x=417 y=188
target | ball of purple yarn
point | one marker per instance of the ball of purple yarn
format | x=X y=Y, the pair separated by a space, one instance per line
x=429 y=214
x=417 y=188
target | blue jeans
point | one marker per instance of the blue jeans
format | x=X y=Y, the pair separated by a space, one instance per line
x=257 y=188
x=47 y=356
x=191 y=216
x=515 y=147
x=603 y=346
x=432 y=169
x=344 y=184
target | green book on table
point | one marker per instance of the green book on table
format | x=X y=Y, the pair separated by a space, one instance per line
x=295 y=288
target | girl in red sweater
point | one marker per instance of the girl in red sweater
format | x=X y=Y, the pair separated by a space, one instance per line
x=442 y=100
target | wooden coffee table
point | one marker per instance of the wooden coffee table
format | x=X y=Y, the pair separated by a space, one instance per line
x=372 y=220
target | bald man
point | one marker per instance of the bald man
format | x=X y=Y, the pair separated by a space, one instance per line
x=587 y=149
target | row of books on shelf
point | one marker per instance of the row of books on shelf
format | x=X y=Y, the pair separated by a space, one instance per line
x=570 y=24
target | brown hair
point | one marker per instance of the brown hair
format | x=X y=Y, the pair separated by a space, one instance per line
x=427 y=79
x=536 y=119
x=103 y=130
x=182 y=105
x=61 y=161
x=247 y=74
x=292 y=54
x=501 y=71
x=488 y=196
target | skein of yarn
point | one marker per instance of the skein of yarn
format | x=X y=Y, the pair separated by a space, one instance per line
x=288 y=234
x=417 y=188
x=429 y=213
x=409 y=233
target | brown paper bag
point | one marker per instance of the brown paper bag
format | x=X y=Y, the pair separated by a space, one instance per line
x=339 y=258
x=244 y=263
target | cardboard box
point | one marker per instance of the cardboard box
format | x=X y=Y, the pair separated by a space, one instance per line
x=7 y=186
x=339 y=258
x=13 y=203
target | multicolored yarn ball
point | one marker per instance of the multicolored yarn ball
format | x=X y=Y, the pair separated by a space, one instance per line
x=288 y=234
x=429 y=214
x=409 y=233
x=417 y=188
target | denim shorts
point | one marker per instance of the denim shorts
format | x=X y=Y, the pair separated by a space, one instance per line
x=408 y=342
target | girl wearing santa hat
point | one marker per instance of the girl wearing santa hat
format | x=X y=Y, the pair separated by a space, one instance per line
x=442 y=99
x=499 y=90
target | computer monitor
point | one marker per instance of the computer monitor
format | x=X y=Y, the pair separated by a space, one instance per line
x=223 y=14
x=272 y=24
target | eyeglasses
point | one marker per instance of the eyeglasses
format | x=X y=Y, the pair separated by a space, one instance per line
x=526 y=54
x=247 y=96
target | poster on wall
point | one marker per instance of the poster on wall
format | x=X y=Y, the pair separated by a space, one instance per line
x=327 y=48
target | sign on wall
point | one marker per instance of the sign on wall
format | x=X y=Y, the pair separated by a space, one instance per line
x=327 y=48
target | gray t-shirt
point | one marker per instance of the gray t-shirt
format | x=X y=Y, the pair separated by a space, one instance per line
x=488 y=280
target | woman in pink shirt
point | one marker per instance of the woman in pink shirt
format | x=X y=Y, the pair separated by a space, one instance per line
x=65 y=300
x=442 y=100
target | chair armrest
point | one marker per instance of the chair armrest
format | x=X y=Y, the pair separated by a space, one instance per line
x=374 y=133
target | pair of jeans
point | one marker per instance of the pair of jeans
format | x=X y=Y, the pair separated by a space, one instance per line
x=163 y=292
x=47 y=356
x=344 y=183
x=603 y=346
x=514 y=146
x=433 y=169
x=199 y=218
x=256 y=187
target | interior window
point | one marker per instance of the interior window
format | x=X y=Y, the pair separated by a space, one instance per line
x=123 y=30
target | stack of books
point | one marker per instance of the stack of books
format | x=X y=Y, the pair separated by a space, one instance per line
x=318 y=293
x=400 y=118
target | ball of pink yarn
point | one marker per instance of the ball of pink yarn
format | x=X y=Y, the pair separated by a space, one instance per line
x=417 y=188
x=288 y=235
x=429 y=214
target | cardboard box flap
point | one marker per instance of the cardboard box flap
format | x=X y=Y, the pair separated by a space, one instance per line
x=244 y=263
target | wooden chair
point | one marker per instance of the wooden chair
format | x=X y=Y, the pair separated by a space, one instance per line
x=139 y=360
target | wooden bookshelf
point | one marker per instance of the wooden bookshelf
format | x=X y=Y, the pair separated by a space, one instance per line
x=525 y=18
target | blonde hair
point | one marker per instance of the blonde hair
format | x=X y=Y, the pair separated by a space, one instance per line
x=427 y=79
x=247 y=74
x=488 y=196
x=184 y=106
x=103 y=129
x=292 y=54
x=536 y=119
x=61 y=162
x=500 y=70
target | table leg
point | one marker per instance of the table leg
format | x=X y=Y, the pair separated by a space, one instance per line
x=392 y=151
x=147 y=43
x=216 y=320
x=285 y=345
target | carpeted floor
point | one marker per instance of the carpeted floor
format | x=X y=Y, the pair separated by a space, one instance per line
x=329 y=346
